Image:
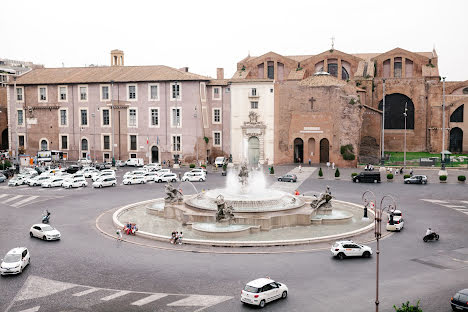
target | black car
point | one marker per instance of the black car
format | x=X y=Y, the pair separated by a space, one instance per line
x=73 y=169
x=288 y=178
x=367 y=176
x=459 y=301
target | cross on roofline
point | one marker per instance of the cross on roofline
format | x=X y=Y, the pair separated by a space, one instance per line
x=332 y=42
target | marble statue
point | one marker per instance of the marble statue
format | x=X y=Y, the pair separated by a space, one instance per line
x=243 y=174
x=173 y=195
x=224 y=212
x=323 y=199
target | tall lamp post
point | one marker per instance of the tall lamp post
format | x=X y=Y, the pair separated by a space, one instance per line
x=196 y=130
x=113 y=121
x=442 y=162
x=404 y=152
x=389 y=207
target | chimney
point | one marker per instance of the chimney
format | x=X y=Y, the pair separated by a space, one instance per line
x=117 y=58
x=184 y=69
x=219 y=73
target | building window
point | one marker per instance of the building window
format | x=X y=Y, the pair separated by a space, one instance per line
x=44 y=145
x=216 y=115
x=106 y=156
x=271 y=70
x=42 y=94
x=20 y=117
x=216 y=93
x=63 y=117
x=19 y=94
x=253 y=92
x=333 y=69
x=154 y=117
x=83 y=93
x=176 y=113
x=153 y=92
x=176 y=143
x=253 y=105
x=105 y=117
x=132 y=92
x=84 y=117
x=133 y=142
x=64 y=142
x=216 y=138
x=132 y=117
x=21 y=141
x=175 y=91
x=104 y=93
x=228 y=90
x=133 y=155
x=106 y=142
x=397 y=67
x=62 y=93
x=84 y=144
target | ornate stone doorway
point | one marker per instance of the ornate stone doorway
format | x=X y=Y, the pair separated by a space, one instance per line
x=298 y=150
x=311 y=144
x=456 y=140
x=254 y=151
x=154 y=154
x=324 y=151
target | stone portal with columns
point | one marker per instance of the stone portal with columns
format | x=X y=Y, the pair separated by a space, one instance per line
x=254 y=128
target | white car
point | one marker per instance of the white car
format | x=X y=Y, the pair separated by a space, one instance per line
x=36 y=181
x=136 y=162
x=343 y=249
x=53 y=182
x=163 y=171
x=262 y=290
x=134 y=173
x=87 y=172
x=103 y=175
x=106 y=181
x=84 y=161
x=134 y=180
x=397 y=223
x=19 y=180
x=152 y=167
x=44 y=231
x=15 y=261
x=199 y=170
x=194 y=176
x=219 y=161
x=168 y=177
x=150 y=176
x=75 y=182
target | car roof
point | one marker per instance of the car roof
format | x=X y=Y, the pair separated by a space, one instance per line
x=16 y=250
x=345 y=242
x=260 y=282
x=463 y=291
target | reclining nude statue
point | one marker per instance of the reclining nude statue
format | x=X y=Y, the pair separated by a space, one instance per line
x=173 y=195
x=322 y=200
x=225 y=212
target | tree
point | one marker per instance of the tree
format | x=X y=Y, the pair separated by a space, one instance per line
x=406 y=307
x=320 y=172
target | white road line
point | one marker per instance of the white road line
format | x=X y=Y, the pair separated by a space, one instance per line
x=85 y=292
x=35 y=309
x=12 y=198
x=3 y=195
x=436 y=201
x=24 y=201
x=199 y=301
x=453 y=206
x=148 y=299
x=116 y=295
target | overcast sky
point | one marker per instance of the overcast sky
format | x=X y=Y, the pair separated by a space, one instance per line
x=204 y=35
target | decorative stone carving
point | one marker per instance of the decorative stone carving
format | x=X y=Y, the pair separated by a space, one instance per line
x=173 y=195
x=224 y=212
x=253 y=116
x=243 y=174
x=323 y=200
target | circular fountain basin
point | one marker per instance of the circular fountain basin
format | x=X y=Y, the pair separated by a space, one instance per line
x=221 y=230
x=264 y=201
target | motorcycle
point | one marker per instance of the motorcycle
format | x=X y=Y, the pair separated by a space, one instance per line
x=46 y=217
x=432 y=236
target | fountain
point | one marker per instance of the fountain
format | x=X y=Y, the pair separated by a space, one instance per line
x=246 y=208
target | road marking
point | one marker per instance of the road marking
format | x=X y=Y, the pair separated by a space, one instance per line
x=35 y=309
x=85 y=292
x=3 y=195
x=148 y=299
x=21 y=202
x=38 y=287
x=454 y=206
x=116 y=295
x=436 y=201
x=12 y=198
x=199 y=301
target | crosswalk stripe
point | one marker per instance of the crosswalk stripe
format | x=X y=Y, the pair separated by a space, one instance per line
x=116 y=295
x=3 y=195
x=12 y=198
x=35 y=309
x=24 y=201
x=199 y=301
x=85 y=292
x=148 y=299
x=454 y=206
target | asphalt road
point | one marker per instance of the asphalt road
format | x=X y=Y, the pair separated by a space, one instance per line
x=87 y=271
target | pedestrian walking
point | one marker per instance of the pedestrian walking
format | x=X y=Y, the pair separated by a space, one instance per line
x=333 y=165
x=300 y=168
x=411 y=172
x=119 y=234
x=310 y=162
x=296 y=193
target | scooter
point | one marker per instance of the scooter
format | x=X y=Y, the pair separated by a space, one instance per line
x=46 y=218
x=432 y=236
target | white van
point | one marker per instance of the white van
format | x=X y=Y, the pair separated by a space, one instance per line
x=219 y=161
x=135 y=162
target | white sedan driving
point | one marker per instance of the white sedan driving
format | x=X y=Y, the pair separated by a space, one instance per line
x=194 y=176
x=44 y=231
x=134 y=180
x=262 y=290
x=15 y=261
x=53 y=182
x=343 y=249
x=76 y=182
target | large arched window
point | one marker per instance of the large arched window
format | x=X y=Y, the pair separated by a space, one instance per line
x=344 y=74
x=84 y=144
x=457 y=115
x=44 y=145
x=395 y=111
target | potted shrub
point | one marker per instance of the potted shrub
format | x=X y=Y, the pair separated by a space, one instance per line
x=337 y=174
x=461 y=178
x=203 y=166
x=390 y=177
x=224 y=170
x=353 y=174
x=406 y=176
x=272 y=170
x=443 y=179
x=192 y=165
x=320 y=173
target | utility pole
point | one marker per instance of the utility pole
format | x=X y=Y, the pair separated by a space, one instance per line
x=383 y=124
x=442 y=162
x=404 y=153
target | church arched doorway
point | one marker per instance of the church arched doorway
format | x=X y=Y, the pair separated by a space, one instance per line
x=324 y=150
x=4 y=143
x=154 y=154
x=298 y=150
x=456 y=140
x=254 y=151
x=311 y=145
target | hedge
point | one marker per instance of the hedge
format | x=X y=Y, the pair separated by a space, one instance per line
x=406 y=176
x=353 y=174
x=320 y=173
x=337 y=173
x=461 y=178
x=443 y=178
x=192 y=165
x=390 y=176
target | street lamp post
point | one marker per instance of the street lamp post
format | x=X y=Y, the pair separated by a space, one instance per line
x=390 y=207
x=404 y=152
x=369 y=199
x=442 y=163
x=94 y=136
x=113 y=121
x=383 y=124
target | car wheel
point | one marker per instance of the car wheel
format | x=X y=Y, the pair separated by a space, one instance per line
x=357 y=180
x=201 y=180
x=425 y=239
x=284 y=295
x=279 y=179
x=44 y=238
x=31 y=234
x=113 y=184
x=437 y=237
x=100 y=185
x=366 y=254
x=291 y=181
x=262 y=304
x=341 y=256
x=375 y=181
x=425 y=182
x=159 y=181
